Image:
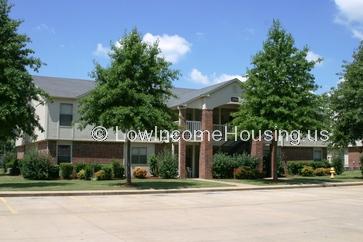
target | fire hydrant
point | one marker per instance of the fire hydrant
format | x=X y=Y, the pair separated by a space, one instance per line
x=332 y=172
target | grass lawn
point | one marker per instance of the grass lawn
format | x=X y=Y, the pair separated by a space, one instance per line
x=18 y=183
x=347 y=176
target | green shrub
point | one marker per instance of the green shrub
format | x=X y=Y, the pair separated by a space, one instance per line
x=100 y=175
x=66 y=170
x=53 y=171
x=35 y=166
x=153 y=165
x=118 y=169
x=295 y=167
x=108 y=173
x=79 y=166
x=307 y=171
x=81 y=174
x=88 y=172
x=168 y=165
x=361 y=164
x=245 y=160
x=245 y=172
x=223 y=165
x=11 y=162
x=338 y=165
x=320 y=164
x=322 y=171
x=140 y=172
x=96 y=167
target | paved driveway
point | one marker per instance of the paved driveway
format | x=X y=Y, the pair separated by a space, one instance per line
x=318 y=214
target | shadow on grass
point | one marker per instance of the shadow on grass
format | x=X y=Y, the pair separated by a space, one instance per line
x=30 y=184
x=150 y=184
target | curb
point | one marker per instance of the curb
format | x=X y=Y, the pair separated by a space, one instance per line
x=165 y=191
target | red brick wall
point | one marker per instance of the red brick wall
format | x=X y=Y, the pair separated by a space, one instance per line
x=257 y=151
x=206 y=147
x=300 y=153
x=101 y=152
x=354 y=154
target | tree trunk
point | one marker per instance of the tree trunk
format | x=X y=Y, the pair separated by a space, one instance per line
x=274 y=159
x=128 y=161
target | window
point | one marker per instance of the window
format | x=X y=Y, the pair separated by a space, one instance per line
x=66 y=114
x=64 y=153
x=317 y=154
x=139 y=155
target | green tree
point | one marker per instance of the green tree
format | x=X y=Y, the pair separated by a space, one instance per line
x=17 y=89
x=279 y=91
x=347 y=102
x=132 y=92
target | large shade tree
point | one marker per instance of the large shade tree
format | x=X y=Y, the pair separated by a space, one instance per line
x=279 y=91
x=347 y=102
x=17 y=90
x=132 y=91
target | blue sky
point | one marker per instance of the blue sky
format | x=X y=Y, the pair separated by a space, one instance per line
x=207 y=41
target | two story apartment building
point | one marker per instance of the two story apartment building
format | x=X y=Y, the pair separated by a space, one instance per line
x=207 y=108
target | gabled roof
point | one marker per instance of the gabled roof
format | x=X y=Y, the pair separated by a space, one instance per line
x=74 y=88
x=63 y=87
x=197 y=93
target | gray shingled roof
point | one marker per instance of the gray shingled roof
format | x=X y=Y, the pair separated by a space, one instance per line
x=73 y=88
x=63 y=87
x=193 y=94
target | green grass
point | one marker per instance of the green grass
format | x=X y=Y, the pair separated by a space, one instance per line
x=347 y=176
x=18 y=183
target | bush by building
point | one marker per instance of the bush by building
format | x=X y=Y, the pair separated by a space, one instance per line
x=307 y=171
x=35 y=166
x=140 y=172
x=167 y=165
x=118 y=169
x=66 y=170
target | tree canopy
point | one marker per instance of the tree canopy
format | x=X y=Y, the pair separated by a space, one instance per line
x=132 y=92
x=347 y=102
x=279 y=90
x=17 y=89
x=279 y=93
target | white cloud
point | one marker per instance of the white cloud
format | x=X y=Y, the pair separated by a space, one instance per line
x=351 y=15
x=45 y=28
x=198 y=77
x=312 y=56
x=101 y=51
x=173 y=47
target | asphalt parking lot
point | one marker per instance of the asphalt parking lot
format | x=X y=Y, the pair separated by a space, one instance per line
x=317 y=214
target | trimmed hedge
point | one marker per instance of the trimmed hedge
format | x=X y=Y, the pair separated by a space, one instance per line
x=35 y=166
x=295 y=167
x=53 y=171
x=118 y=169
x=66 y=170
x=307 y=171
x=224 y=165
x=245 y=172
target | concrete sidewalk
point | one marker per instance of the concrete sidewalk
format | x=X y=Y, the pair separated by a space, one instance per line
x=236 y=187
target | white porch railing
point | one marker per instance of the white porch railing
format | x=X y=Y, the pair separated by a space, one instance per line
x=193 y=125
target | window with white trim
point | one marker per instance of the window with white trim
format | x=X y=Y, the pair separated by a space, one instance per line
x=66 y=114
x=139 y=155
